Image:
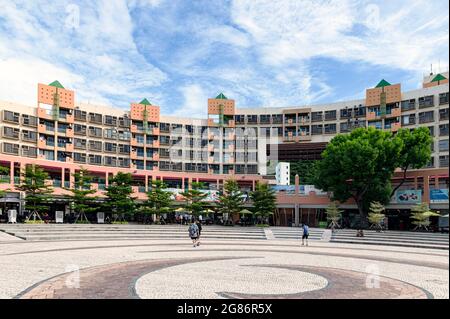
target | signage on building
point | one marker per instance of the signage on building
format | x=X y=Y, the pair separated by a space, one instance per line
x=288 y=189
x=439 y=195
x=408 y=196
x=306 y=189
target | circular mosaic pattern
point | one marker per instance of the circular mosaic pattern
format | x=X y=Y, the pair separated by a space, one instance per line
x=214 y=279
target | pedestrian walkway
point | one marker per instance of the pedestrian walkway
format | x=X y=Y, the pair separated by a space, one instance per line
x=296 y=233
x=50 y=232
x=393 y=238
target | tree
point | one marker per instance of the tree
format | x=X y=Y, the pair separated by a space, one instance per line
x=264 y=200
x=304 y=169
x=81 y=198
x=3 y=171
x=415 y=152
x=376 y=214
x=37 y=192
x=359 y=165
x=118 y=195
x=159 y=200
x=333 y=215
x=420 y=214
x=231 y=201
x=195 y=199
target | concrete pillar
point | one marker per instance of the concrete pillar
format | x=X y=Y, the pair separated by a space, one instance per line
x=436 y=182
x=297 y=184
x=22 y=170
x=146 y=183
x=63 y=176
x=11 y=173
x=217 y=184
x=253 y=185
x=415 y=182
x=426 y=189
x=106 y=179
x=72 y=178
x=296 y=215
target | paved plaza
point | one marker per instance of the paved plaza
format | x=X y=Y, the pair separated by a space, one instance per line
x=231 y=262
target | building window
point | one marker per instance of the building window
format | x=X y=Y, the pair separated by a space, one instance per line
x=29 y=151
x=95 y=118
x=79 y=157
x=95 y=146
x=426 y=117
x=11 y=148
x=95 y=159
x=29 y=136
x=316 y=116
x=29 y=120
x=9 y=116
x=426 y=101
x=408 y=105
x=443 y=130
x=79 y=143
x=443 y=161
x=110 y=147
x=330 y=115
x=110 y=120
x=11 y=132
x=443 y=145
x=443 y=98
x=80 y=115
x=330 y=128
x=316 y=129
x=409 y=119
x=79 y=129
x=443 y=114
x=95 y=131
x=110 y=133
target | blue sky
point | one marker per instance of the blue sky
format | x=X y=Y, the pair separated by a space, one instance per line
x=178 y=53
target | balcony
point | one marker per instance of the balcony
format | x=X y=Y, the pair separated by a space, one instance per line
x=372 y=116
x=290 y=121
x=69 y=118
x=133 y=155
x=395 y=126
x=134 y=128
x=44 y=114
x=395 y=112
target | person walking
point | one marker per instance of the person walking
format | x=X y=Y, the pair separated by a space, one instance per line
x=193 y=233
x=305 y=234
x=199 y=225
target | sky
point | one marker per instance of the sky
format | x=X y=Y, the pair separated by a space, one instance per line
x=179 y=53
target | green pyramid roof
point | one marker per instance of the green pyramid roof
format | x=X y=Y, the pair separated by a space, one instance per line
x=145 y=102
x=221 y=97
x=438 y=77
x=56 y=84
x=383 y=83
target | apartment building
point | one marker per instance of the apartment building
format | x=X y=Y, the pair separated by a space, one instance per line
x=61 y=135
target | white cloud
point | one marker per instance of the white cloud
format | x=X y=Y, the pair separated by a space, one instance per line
x=398 y=35
x=195 y=102
x=100 y=52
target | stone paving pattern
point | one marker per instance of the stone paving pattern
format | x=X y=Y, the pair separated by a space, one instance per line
x=248 y=268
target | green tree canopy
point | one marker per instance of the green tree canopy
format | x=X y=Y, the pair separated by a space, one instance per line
x=359 y=165
x=82 y=199
x=264 y=200
x=415 y=152
x=37 y=192
x=334 y=214
x=118 y=195
x=194 y=198
x=231 y=201
x=159 y=200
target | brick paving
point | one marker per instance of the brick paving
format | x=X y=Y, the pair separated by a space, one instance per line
x=220 y=268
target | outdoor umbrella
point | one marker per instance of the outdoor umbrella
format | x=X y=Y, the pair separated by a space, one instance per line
x=245 y=212
x=179 y=210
